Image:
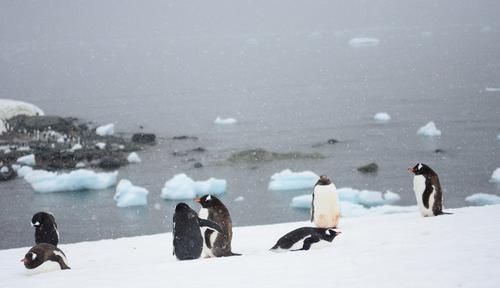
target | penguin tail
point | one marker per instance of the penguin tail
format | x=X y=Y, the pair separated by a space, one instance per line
x=446 y=213
x=234 y=254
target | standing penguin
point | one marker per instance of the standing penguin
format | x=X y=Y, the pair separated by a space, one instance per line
x=42 y=253
x=427 y=190
x=325 y=209
x=45 y=228
x=187 y=239
x=216 y=244
x=304 y=237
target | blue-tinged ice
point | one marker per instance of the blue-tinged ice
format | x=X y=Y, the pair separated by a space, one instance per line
x=105 y=130
x=130 y=195
x=27 y=160
x=181 y=187
x=483 y=199
x=429 y=130
x=289 y=180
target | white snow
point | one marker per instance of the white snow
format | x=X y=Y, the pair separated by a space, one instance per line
x=27 y=160
x=182 y=187
x=383 y=251
x=495 y=177
x=11 y=108
x=483 y=199
x=129 y=195
x=429 y=130
x=101 y=145
x=133 y=158
x=224 y=121
x=105 y=130
x=45 y=182
x=289 y=180
x=382 y=117
x=4 y=169
x=361 y=42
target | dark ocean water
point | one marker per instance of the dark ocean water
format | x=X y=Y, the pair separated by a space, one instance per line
x=290 y=78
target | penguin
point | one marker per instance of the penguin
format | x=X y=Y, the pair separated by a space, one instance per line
x=325 y=208
x=42 y=253
x=305 y=237
x=216 y=244
x=45 y=228
x=427 y=190
x=187 y=239
x=7 y=172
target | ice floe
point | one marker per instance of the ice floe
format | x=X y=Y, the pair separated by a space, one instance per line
x=495 y=177
x=181 y=187
x=361 y=42
x=105 y=130
x=382 y=117
x=289 y=180
x=483 y=199
x=133 y=158
x=429 y=129
x=224 y=121
x=27 y=160
x=130 y=195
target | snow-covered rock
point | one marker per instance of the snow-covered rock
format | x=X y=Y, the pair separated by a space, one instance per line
x=105 y=130
x=11 y=108
x=429 y=130
x=361 y=42
x=382 y=117
x=27 y=160
x=133 y=158
x=495 y=177
x=289 y=180
x=129 y=195
x=483 y=199
x=101 y=145
x=224 y=121
x=45 y=182
x=182 y=187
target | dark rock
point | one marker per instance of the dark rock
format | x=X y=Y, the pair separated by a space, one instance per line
x=261 y=155
x=332 y=141
x=180 y=153
x=370 y=168
x=439 y=151
x=144 y=138
x=111 y=163
x=198 y=165
x=31 y=124
x=184 y=137
x=199 y=149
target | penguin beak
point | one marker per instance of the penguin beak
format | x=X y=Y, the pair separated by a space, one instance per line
x=411 y=170
x=197 y=200
x=23 y=260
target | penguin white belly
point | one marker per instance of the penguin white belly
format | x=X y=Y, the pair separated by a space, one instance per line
x=326 y=206
x=419 y=188
x=206 y=252
x=47 y=266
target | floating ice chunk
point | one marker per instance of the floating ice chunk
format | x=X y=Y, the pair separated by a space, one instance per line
x=101 y=145
x=382 y=117
x=133 y=158
x=367 y=198
x=27 y=160
x=429 y=130
x=76 y=147
x=4 y=169
x=302 y=201
x=362 y=42
x=182 y=187
x=23 y=170
x=11 y=108
x=45 y=182
x=239 y=199
x=129 y=195
x=224 y=121
x=483 y=199
x=288 y=180
x=495 y=177
x=80 y=165
x=105 y=130
x=498 y=136
x=492 y=89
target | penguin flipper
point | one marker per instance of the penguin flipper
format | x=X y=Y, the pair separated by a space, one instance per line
x=308 y=242
x=208 y=233
x=209 y=224
x=312 y=208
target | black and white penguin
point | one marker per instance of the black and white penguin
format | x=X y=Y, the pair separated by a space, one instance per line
x=187 y=239
x=325 y=208
x=7 y=172
x=216 y=244
x=43 y=253
x=427 y=190
x=303 y=238
x=45 y=228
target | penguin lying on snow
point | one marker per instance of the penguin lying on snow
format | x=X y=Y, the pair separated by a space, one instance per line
x=325 y=209
x=216 y=244
x=45 y=228
x=42 y=253
x=187 y=239
x=427 y=190
x=305 y=237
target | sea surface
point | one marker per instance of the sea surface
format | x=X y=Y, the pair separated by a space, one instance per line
x=284 y=69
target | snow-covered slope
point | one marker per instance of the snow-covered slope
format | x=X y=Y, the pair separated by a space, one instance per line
x=401 y=250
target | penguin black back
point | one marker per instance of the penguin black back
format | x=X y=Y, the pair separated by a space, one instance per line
x=187 y=239
x=45 y=228
x=309 y=236
x=42 y=253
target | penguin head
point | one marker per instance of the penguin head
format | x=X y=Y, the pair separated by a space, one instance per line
x=42 y=218
x=208 y=201
x=31 y=260
x=421 y=169
x=182 y=207
x=323 y=180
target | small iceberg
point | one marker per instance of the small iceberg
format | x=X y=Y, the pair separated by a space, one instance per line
x=362 y=42
x=483 y=199
x=495 y=177
x=382 y=117
x=133 y=158
x=129 y=195
x=27 y=160
x=288 y=180
x=181 y=187
x=105 y=130
x=429 y=130
x=224 y=121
